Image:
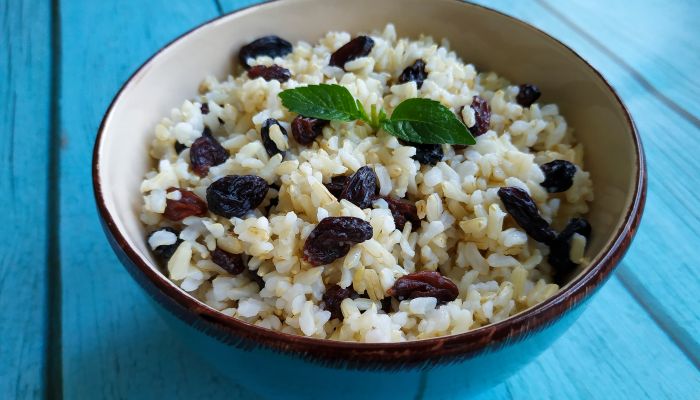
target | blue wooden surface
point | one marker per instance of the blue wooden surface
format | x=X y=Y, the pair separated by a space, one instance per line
x=25 y=103
x=637 y=339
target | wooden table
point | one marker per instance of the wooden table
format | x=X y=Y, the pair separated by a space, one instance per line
x=74 y=324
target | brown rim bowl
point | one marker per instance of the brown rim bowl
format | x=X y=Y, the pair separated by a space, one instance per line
x=491 y=41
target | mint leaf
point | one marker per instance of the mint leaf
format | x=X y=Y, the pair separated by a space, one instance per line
x=329 y=102
x=427 y=121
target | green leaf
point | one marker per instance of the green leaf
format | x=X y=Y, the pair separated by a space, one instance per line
x=427 y=121
x=362 y=113
x=329 y=102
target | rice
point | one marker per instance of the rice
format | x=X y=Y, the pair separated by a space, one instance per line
x=465 y=232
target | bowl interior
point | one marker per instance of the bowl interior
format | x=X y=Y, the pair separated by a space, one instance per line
x=487 y=39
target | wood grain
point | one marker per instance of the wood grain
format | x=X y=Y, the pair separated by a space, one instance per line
x=25 y=65
x=660 y=268
x=114 y=344
x=663 y=57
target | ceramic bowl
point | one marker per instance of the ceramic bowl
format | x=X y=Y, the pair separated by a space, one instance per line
x=278 y=365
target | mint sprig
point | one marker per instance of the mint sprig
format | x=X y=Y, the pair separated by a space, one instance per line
x=415 y=120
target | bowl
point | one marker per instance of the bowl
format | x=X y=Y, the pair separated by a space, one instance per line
x=279 y=365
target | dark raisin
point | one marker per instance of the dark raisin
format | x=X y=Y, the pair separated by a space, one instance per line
x=204 y=108
x=558 y=175
x=415 y=73
x=273 y=201
x=356 y=48
x=403 y=210
x=306 y=129
x=206 y=152
x=559 y=249
x=231 y=263
x=271 y=46
x=424 y=284
x=270 y=146
x=362 y=188
x=273 y=72
x=336 y=185
x=235 y=195
x=332 y=238
x=575 y=225
x=189 y=204
x=427 y=154
x=164 y=252
x=524 y=211
x=253 y=275
x=527 y=94
x=482 y=116
x=179 y=147
x=386 y=304
x=335 y=295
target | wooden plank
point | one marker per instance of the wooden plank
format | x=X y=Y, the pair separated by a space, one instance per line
x=655 y=40
x=660 y=267
x=25 y=69
x=114 y=344
x=614 y=351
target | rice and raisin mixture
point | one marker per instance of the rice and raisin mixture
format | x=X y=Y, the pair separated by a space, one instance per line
x=335 y=230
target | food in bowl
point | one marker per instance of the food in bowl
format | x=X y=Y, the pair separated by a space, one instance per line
x=279 y=200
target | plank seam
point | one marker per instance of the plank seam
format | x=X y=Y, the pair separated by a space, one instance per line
x=219 y=7
x=674 y=332
x=54 y=367
x=678 y=336
x=636 y=75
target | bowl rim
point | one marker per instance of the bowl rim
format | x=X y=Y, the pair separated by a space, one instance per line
x=377 y=355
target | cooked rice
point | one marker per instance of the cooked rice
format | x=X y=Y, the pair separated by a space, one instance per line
x=465 y=232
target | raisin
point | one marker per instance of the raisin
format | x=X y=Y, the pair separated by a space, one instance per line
x=253 y=275
x=189 y=204
x=415 y=73
x=575 y=225
x=362 y=188
x=271 y=46
x=270 y=146
x=335 y=295
x=403 y=210
x=527 y=94
x=204 y=108
x=424 y=284
x=179 y=147
x=164 y=252
x=332 y=238
x=235 y=195
x=357 y=47
x=274 y=200
x=524 y=211
x=231 y=263
x=336 y=185
x=482 y=116
x=558 y=175
x=306 y=129
x=559 y=249
x=206 y=152
x=386 y=304
x=427 y=154
x=273 y=72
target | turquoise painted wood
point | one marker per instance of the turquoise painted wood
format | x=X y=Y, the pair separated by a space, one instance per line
x=638 y=337
x=25 y=103
x=114 y=344
x=660 y=270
